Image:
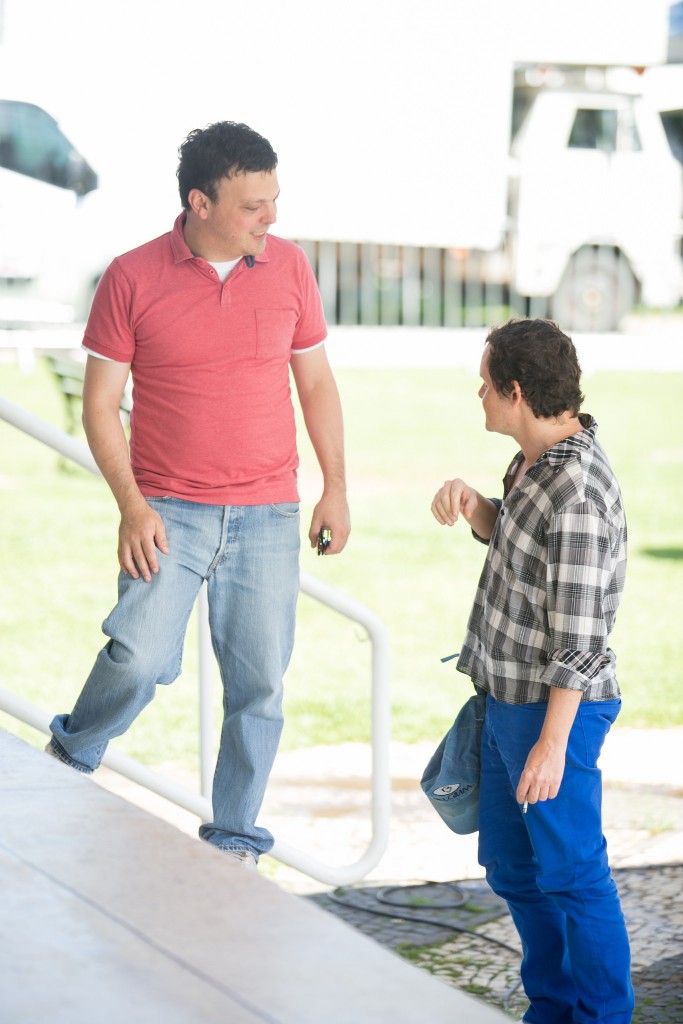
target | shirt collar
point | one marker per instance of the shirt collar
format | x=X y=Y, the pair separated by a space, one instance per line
x=572 y=446
x=181 y=251
x=560 y=453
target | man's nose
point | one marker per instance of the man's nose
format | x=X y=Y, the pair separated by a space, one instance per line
x=269 y=213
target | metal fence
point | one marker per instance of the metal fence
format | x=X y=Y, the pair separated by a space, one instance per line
x=373 y=284
x=390 y=285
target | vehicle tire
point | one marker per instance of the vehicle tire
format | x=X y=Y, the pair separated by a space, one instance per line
x=596 y=291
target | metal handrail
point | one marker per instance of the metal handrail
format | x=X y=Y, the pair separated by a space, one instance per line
x=199 y=803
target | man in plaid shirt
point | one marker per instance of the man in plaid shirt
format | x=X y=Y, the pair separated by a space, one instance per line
x=537 y=642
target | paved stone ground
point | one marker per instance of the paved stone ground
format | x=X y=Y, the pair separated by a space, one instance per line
x=456 y=928
x=463 y=934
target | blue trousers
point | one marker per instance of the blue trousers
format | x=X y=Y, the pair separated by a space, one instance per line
x=550 y=865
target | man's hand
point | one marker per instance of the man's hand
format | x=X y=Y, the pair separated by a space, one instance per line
x=542 y=773
x=454 y=498
x=140 y=534
x=544 y=768
x=331 y=513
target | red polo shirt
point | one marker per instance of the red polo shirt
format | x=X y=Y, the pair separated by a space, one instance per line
x=212 y=416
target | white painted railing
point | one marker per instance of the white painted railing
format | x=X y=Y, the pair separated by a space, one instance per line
x=199 y=803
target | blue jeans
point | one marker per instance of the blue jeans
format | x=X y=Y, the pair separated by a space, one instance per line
x=550 y=865
x=250 y=557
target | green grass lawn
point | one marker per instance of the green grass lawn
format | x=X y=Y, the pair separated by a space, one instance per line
x=407 y=431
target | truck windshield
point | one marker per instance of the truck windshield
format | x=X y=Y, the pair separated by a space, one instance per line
x=31 y=143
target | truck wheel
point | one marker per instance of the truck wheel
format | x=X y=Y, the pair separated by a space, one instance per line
x=596 y=291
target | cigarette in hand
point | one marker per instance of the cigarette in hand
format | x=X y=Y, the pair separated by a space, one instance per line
x=525 y=808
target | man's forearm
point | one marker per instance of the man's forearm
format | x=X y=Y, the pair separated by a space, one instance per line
x=559 y=718
x=483 y=519
x=109 y=447
x=321 y=408
x=141 y=531
x=322 y=412
x=104 y=384
x=323 y=417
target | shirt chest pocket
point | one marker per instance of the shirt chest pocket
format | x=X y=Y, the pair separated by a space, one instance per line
x=274 y=333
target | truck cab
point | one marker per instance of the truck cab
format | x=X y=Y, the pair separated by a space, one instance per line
x=595 y=203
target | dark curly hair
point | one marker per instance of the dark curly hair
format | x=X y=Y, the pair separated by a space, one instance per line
x=544 y=362
x=219 y=151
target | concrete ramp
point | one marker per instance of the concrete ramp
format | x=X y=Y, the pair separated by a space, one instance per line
x=112 y=915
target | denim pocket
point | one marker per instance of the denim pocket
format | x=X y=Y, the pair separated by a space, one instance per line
x=286 y=509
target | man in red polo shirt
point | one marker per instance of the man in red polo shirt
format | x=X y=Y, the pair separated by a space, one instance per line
x=209 y=318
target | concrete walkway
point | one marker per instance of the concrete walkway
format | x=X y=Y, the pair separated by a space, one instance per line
x=110 y=914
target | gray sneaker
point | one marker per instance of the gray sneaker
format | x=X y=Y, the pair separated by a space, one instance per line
x=49 y=749
x=244 y=857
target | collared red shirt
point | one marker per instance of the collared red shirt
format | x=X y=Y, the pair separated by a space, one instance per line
x=553 y=579
x=213 y=419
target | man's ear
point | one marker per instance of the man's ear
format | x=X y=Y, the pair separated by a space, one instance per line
x=199 y=203
x=516 y=393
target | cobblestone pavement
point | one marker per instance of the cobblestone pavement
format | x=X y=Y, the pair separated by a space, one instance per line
x=463 y=934
x=425 y=922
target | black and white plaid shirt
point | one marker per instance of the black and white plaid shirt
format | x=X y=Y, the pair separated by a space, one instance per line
x=553 y=578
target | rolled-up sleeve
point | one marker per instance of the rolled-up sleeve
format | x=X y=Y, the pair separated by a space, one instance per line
x=579 y=575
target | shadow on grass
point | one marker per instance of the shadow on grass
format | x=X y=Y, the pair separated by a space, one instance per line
x=673 y=554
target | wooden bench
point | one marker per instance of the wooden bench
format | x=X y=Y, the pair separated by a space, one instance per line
x=69 y=373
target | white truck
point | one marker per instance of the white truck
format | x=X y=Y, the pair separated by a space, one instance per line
x=595 y=197
x=520 y=132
